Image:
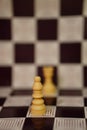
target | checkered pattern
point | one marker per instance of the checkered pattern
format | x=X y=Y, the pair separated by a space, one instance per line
x=67 y=110
x=28 y=28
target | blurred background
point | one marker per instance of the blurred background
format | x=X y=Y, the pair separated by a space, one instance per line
x=37 y=33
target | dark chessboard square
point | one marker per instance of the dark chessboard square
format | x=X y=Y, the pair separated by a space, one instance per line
x=5 y=29
x=5 y=76
x=71 y=7
x=85 y=75
x=2 y=100
x=23 y=7
x=86 y=122
x=70 y=53
x=47 y=29
x=24 y=53
x=85 y=101
x=85 y=28
x=7 y=112
x=50 y=101
x=70 y=92
x=21 y=92
x=38 y=124
x=72 y=112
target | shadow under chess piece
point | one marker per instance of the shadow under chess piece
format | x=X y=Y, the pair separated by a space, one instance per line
x=38 y=107
x=50 y=100
x=38 y=123
x=49 y=88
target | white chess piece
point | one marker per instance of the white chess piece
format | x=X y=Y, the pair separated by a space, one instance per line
x=49 y=87
x=38 y=107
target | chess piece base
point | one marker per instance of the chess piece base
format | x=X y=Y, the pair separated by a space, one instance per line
x=38 y=112
x=49 y=90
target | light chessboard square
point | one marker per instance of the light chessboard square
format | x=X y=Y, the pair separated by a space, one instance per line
x=18 y=101
x=70 y=29
x=24 y=29
x=19 y=74
x=70 y=101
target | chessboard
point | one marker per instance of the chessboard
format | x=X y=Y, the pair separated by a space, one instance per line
x=28 y=28
x=65 y=111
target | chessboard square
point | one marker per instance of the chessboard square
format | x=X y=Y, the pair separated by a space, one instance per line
x=22 y=25
x=6 y=54
x=70 y=101
x=70 y=7
x=7 y=112
x=21 y=92
x=11 y=123
x=47 y=8
x=47 y=29
x=5 y=9
x=50 y=112
x=72 y=112
x=69 y=124
x=5 y=91
x=23 y=8
x=38 y=123
x=70 y=53
x=5 y=29
x=85 y=76
x=86 y=122
x=84 y=92
x=85 y=8
x=24 y=53
x=45 y=57
x=71 y=76
x=85 y=109
x=19 y=74
x=2 y=100
x=84 y=53
x=72 y=92
x=5 y=76
x=17 y=101
x=85 y=28
x=70 y=29
x=85 y=101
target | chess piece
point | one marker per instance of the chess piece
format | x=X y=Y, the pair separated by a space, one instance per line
x=49 y=88
x=38 y=107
